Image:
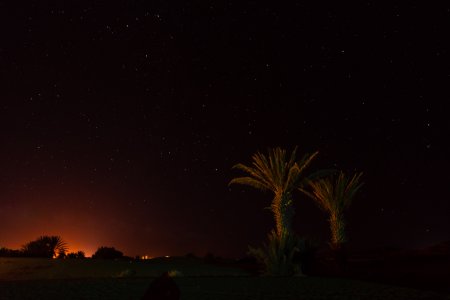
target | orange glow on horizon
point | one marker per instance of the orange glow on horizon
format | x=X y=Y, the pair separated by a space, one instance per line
x=81 y=227
x=75 y=250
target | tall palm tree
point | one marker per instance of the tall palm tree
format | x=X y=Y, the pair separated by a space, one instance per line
x=334 y=196
x=279 y=173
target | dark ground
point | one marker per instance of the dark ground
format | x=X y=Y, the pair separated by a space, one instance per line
x=379 y=274
x=426 y=269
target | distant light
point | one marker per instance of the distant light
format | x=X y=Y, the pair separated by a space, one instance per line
x=146 y=257
x=167 y=256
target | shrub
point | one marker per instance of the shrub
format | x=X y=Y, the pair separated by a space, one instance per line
x=190 y=255
x=209 y=258
x=61 y=255
x=107 y=253
x=277 y=257
x=76 y=255
x=128 y=273
x=175 y=273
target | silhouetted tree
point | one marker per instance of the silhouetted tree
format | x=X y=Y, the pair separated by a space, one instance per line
x=45 y=246
x=107 y=253
x=190 y=255
x=280 y=174
x=76 y=255
x=334 y=196
x=80 y=254
x=209 y=258
x=5 y=252
x=61 y=255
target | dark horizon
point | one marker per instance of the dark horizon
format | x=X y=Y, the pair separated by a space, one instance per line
x=121 y=123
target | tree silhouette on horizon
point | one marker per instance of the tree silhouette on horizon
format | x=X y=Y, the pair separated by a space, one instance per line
x=45 y=246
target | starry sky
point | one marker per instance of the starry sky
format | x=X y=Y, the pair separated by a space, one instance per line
x=120 y=122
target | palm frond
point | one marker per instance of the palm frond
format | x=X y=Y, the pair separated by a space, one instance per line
x=296 y=177
x=317 y=175
x=320 y=193
x=255 y=173
x=293 y=157
x=306 y=160
x=261 y=163
x=250 y=182
x=353 y=186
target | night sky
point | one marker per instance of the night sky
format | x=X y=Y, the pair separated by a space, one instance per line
x=120 y=123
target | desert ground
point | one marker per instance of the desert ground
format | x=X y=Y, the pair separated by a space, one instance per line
x=33 y=278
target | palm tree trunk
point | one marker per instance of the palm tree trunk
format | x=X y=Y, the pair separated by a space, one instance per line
x=277 y=214
x=283 y=211
x=288 y=212
x=337 y=228
x=338 y=239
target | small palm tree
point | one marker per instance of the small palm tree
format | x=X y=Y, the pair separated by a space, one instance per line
x=334 y=196
x=280 y=174
x=45 y=246
x=56 y=245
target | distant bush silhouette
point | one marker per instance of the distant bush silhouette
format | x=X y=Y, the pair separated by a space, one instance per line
x=209 y=258
x=107 y=253
x=5 y=252
x=61 y=255
x=190 y=255
x=76 y=255
x=45 y=246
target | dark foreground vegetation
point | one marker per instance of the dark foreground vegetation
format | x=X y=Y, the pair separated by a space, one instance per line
x=212 y=288
x=35 y=278
x=425 y=269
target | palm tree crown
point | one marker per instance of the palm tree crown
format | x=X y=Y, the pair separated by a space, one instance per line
x=279 y=173
x=334 y=196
